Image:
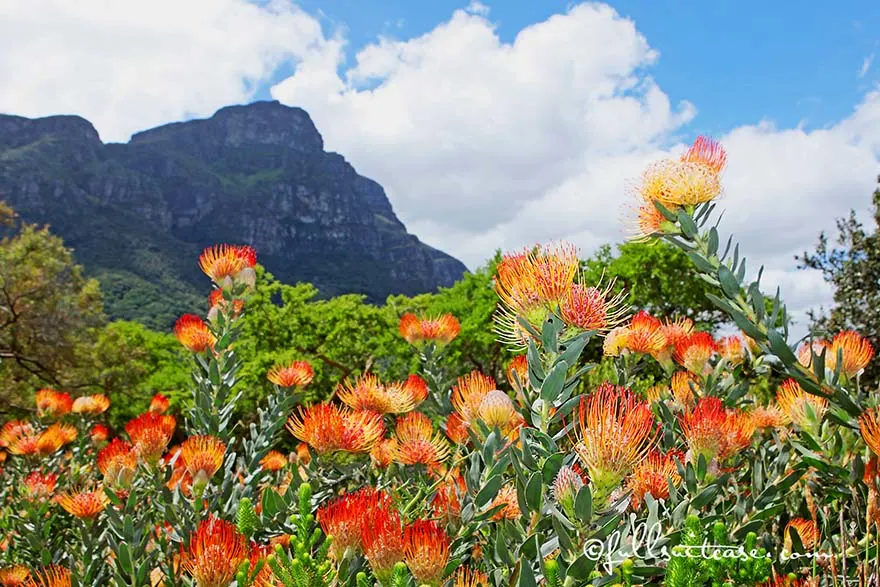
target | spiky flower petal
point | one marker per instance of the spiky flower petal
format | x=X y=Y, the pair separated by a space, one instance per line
x=273 y=461
x=202 y=456
x=91 y=404
x=345 y=517
x=192 y=332
x=856 y=351
x=293 y=374
x=150 y=434
x=215 y=551
x=329 y=428
x=419 y=331
x=117 y=462
x=53 y=403
x=653 y=476
x=417 y=444
x=426 y=551
x=86 y=504
x=804 y=409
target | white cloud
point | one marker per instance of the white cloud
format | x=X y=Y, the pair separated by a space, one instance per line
x=477 y=7
x=130 y=65
x=866 y=65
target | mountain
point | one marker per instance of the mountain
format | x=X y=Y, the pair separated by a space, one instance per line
x=137 y=214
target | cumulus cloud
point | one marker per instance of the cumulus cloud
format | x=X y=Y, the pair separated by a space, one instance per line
x=130 y=65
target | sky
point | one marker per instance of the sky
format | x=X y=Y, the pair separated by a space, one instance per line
x=501 y=124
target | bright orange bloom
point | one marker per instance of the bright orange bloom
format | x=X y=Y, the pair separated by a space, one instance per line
x=382 y=541
x=649 y=220
x=456 y=429
x=656 y=393
x=427 y=551
x=518 y=372
x=731 y=350
x=91 y=404
x=615 y=430
x=203 y=456
x=679 y=183
x=85 y=504
x=440 y=330
x=704 y=428
x=446 y=504
x=226 y=263
x=683 y=385
x=14 y=576
x=193 y=333
x=416 y=442
x=804 y=409
x=38 y=485
x=415 y=387
x=273 y=461
x=150 y=434
x=51 y=576
x=768 y=417
x=808 y=349
x=707 y=152
x=368 y=393
x=468 y=393
x=159 y=404
x=695 y=351
x=653 y=476
x=856 y=351
x=303 y=455
x=328 y=428
x=384 y=453
x=644 y=334
x=869 y=426
x=53 y=403
x=117 y=462
x=99 y=433
x=19 y=438
x=344 y=518
x=506 y=497
x=217 y=301
x=807 y=531
x=615 y=341
x=739 y=427
x=468 y=577
x=51 y=440
x=593 y=308
x=294 y=374
x=674 y=333
x=216 y=549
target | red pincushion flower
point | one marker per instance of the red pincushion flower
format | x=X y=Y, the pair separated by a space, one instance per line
x=38 y=485
x=427 y=551
x=117 y=462
x=159 y=404
x=417 y=443
x=225 y=262
x=53 y=403
x=694 y=351
x=382 y=542
x=468 y=393
x=273 y=461
x=193 y=333
x=329 y=428
x=14 y=576
x=345 y=517
x=293 y=374
x=440 y=330
x=215 y=551
x=202 y=456
x=85 y=504
x=857 y=352
x=653 y=475
x=150 y=434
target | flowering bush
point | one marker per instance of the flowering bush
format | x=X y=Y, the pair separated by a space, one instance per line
x=453 y=478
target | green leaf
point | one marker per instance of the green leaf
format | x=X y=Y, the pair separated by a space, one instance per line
x=489 y=491
x=780 y=348
x=700 y=262
x=729 y=284
x=574 y=348
x=583 y=504
x=533 y=492
x=688 y=226
x=666 y=212
x=704 y=497
x=550 y=334
x=552 y=386
x=551 y=468
x=712 y=244
x=526 y=575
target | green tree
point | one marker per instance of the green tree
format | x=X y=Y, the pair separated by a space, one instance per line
x=852 y=266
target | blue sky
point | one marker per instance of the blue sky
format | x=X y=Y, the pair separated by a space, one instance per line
x=737 y=61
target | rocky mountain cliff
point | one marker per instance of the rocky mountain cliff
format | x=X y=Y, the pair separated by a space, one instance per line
x=137 y=214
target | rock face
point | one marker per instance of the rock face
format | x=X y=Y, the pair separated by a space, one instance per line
x=138 y=213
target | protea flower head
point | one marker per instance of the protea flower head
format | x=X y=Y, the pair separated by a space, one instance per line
x=469 y=577
x=446 y=504
x=215 y=551
x=202 y=456
x=85 y=504
x=695 y=351
x=51 y=576
x=518 y=372
x=39 y=485
x=807 y=531
x=414 y=389
x=53 y=403
x=648 y=222
x=19 y=438
x=657 y=393
x=739 y=427
x=293 y=374
x=193 y=333
x=273 y=461
x=856 y=351
x=683 y=384
x=869 y=426
x=229 y=264
x=14 y=576
x=54 y=437
x=468 y=393
x=150 y=434
x=678 y=184
x=674 y=333
x=704 y=428
x=99 y=433
x=91 y=404
x=769 y=416
x=615 y=341
x=438 y=330
x=804 y=409
x=369 y=394
x=417 y=444
x=593 y=307
x=384 y=453
x=644 y=334
x=707 y=152
x=615 y=430
x=507 y=498
x=345 y=517
x=426 y=551
x=382 y=542
x=117 y=462
x=653 y=475
x=159 y=404
x=497 y=410
x=329 y=428
x=565 y=488
x=456 y=429
x=731 y=350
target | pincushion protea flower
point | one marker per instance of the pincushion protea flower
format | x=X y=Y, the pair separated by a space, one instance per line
x=695 y=351
x=683 y=384
x=468 y=393
x=215 y=551
x=417 y=444
x=807 y=531
x=770 y=416
x=674 y=332
x=653 y=476
x=117 y=462
x=856 y=351
x=229 y=264
x=446 y=504
x=468 y=577
x=707 y=152
x=644 y=334
x=53 y=438
x=384 y=453
x=39 y=485
x=273 y=461
x=426 y=551
x=804 y=409
x=615 y=430
x=345 y=517
x=739 y=427
x=150 y=434
x=51 y=576
x=497 y=411
x=679 y=183
x=368 y=393
x=704 y=428
x=615 y=341
x=416 y=387
x=419 y=331
x=91 y=404
x=86 y=504
x=869 y=426
x=202 y=456
x=507 y=498
x=593 y=308
x=20 y=439
x=731 y=350
x=456 y=429
x=217 y=302
x=518 y=372
x=328 y=428
x=14 y=576
x=159 y=404
x=382 y=542
x=565 y=489
x=99 y=433
x=293 y=374
x=53 y=403
x=193 y=333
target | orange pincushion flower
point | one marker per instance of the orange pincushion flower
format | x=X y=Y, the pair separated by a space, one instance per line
x=273 y=461
x=328 y=428
x=695 y=351
x=14 y=576
x=804 y=409
x=384 y=453
x=674 y=332
x=807 y=531
x=51 y=576
x=159 y=404
x=468 y=577
x=456 y=429
x=368 y=393
x=615 y=341
x=731 y=350
x=85 y=504
x=202 y=456
x=416 y=442
x=150 y=434
x=468 y=393
x=91 y=404
x=592 y=308
x=14 y=430
x=117 y=462
x=739 y=427
x=446 y=504
x=768 y=417
x=808 y=349
x=856 y=351
x=51 y=439
x=518 y=372
x=345 y=517
x=427 y=551
x=193 y=333
x=216 y=549
x=615 y=430
x=707 y=152
x=53 y=403
x=415 y=387
x=649 y=220
x=440 y=330
x=656 y=393
x=869 y=426
x=382 y=541
x=507 y=498
x=653 y=475
x=644 y=334
x=225 y=263
x=99 y=433
x=294 y=374
x=679 y=183
x=704 y=428
x=38 y=485
x=683 y=385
